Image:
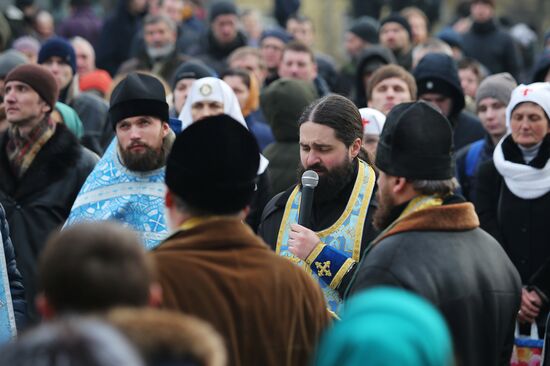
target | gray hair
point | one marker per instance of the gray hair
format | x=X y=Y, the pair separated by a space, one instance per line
x=160 y=18
x=435 y=187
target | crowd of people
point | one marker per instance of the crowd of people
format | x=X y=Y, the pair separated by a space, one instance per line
x=151 y=191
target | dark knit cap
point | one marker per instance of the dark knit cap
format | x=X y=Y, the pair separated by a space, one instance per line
x=59 y=47
x=222 y=8
x=37 y=77
x=396 y=18
x=276 y=33
x=9 y=60
x=138 y=95
x=220 y=179
x=192 y=70
x=365 y=28
x=416 y=143
x=498 y=86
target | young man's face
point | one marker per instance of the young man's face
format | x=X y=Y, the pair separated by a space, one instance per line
x=388 y=93
x=140 y=139
x=394 y=37
x=481 y=12
x=297 y=65
x=469 y=81
x=224 y=28
x=23 y=105
x=272 y=52
x=61 y=70
x=301 y=31
x=492 y=114
x=440 y=101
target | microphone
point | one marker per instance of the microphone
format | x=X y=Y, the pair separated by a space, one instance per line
x=310 y=179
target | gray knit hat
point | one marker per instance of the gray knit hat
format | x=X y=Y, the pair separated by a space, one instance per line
x=498 y=86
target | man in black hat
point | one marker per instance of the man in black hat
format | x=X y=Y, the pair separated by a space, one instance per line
x=438 y=82
x=395 y=33
x=431 y=242
x=215 y=267
x=184 y=77
x=222 y=38
x=127 y=184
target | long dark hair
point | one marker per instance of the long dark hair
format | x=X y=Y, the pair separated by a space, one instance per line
x=340 y=114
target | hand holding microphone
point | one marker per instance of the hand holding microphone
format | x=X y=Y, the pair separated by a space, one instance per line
x=310 y=179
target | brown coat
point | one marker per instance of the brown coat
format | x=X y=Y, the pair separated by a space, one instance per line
x=269 y=311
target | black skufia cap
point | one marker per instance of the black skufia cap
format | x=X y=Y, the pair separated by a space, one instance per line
x=416 y=143
x=213 y=165
x=138 y=95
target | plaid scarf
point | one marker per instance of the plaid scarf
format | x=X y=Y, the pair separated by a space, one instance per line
x=22 y=150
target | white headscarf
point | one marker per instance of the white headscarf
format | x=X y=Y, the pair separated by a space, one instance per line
x=217 y=90
x=373 y=121
x=538 y=93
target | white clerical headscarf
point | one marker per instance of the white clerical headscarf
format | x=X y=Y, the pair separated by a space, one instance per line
x=216 y=90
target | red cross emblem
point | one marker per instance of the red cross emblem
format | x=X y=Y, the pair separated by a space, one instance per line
x=527 y=90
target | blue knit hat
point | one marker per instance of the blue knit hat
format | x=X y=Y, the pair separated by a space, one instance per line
x=276 y=33
x=60 y=47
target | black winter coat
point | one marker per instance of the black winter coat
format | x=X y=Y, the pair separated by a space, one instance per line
x=466 y=129
x=520 y=225
x=493 y=47
x=441 y=254
x=41 y=200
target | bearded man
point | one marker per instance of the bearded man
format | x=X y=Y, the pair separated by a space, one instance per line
x=127 y=185
x=431 y=243
x=331 y=133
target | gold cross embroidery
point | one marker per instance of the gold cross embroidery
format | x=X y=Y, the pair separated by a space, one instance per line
x=323 y=269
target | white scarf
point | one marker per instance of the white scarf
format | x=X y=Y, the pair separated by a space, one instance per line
x=522 y=180
x=214 y=89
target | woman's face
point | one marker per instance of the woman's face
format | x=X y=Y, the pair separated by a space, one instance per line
x=239 y=88
x=529 y=124
x=205 y=108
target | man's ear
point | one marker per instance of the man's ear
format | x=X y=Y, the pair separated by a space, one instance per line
x=355 y=147
x=44 y=307
x=155 y=295
x=165 y=129
x=399 y=184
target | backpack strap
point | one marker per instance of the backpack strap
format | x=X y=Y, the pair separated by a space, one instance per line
x=472 y=157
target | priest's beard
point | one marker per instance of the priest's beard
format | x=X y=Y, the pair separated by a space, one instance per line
x=331 y=182
x=149 y=159
x=385 y=213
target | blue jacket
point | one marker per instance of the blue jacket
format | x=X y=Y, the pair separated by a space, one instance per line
x=16 y=281
x=468 y=160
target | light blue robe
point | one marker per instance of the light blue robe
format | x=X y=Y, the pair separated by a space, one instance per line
x=135 y=199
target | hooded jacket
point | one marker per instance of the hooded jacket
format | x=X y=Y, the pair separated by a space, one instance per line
x=372 y=54
x=437 y=73
x=283 y=102
x=541 y=68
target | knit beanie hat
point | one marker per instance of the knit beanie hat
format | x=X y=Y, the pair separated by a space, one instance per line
x=365 y=28
x=538 y=93
x=9 y=60
x=220 y=180
x=416 y=143
x=194 y=69
x=498 y=86
x=98 y=79
x=138 y=95
x=222 y=8
x=37 y=77
x=276 y=33
x=396 y=18
x=26 y=43
x=59 y=47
